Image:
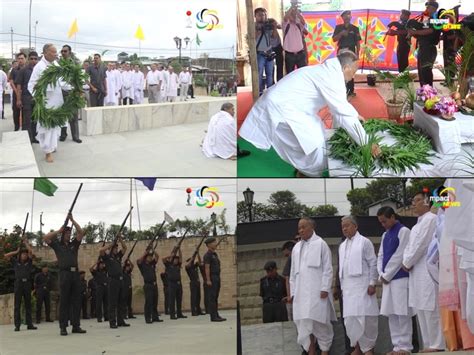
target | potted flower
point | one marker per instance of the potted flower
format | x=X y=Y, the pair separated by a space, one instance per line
x=369 y=58
x=446 y=107
x=428 y=96
x=397 y=83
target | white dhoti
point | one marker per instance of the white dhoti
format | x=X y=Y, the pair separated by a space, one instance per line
x=321 y=331
x=431 y=331
x=183 y=91
x=138 y=96
x=48 y=138
x=220 y=140
x=362 y=330
x=401 y=331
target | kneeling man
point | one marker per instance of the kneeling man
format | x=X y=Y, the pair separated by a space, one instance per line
x=221 y=136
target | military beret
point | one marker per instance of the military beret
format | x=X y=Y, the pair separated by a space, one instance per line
x=406 y=12
x=346 y=12
x=432 y=3
x=210 y=240
x=270 y=265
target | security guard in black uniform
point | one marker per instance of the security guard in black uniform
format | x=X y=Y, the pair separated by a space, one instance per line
x=202 y=269
x=91 y=286
x=175 y=288
x=427 y=39
x=113 y=263
x=347 y=36
x=194 y=284
x=82 y=275
x=403 y=40
x=69 y=282
x=164 y=280
x=213 y=279
x=42 y=291
x=127 y=285
x=23 y=266
x=101 y=281
x=147 y=266
x=273 y=293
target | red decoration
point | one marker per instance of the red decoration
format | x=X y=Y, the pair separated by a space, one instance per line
x=425 y=189
x=189 y=190
x=188 y=13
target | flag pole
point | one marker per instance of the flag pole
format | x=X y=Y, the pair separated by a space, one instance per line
x=32 y=204
x=75 y=41
x=130 y=231
x=138 y=210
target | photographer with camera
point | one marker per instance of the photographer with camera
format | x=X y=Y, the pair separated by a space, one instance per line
x=264 y=32
x=293 y=39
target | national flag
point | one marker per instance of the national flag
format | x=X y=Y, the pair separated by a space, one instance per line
x=148 y=182
x=198 y=40
x=45 y=186
x=168 y=218
x=73 y=29
x=139 y=34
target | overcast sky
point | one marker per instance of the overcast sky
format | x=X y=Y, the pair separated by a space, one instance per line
x=114 y=23
x=108 y=200
x=308 y=191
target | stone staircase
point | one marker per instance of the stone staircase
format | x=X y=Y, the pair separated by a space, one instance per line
x=16 y=156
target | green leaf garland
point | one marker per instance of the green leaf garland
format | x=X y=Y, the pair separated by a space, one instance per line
x=70 y=73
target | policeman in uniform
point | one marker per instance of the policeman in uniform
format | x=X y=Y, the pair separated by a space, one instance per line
x=427 y=39
x=194 y=284
x=164 y=280
x=113 y=263
x=175 y=288
x=127 y=285
x=101 y=282
x=147 y=266
x=347 y=36
x=91 y=286
x=403 y=40
x=212 y=267
x=82 y=275
x=23 y=266
x=273 y=293
x=202 y=269
x=69 y=283
x=42 y=289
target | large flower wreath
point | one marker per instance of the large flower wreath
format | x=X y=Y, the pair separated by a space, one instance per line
x=66 y=71
x=411 y=148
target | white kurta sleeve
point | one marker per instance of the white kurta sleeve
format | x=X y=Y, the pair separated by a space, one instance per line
x=380 y=256
x=371 y=260
x=292 y=274
x=33 y=80
x=326 y=262
x=395 y=262
x=419 y=241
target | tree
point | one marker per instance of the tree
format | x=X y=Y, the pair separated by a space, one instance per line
x=417 y=185
x=325 y=211
x=284 y=204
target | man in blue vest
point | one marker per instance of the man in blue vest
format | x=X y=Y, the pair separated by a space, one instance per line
x=395 y=280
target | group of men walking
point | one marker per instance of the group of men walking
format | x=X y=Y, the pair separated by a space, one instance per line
x=403 y=267
x=111 y=286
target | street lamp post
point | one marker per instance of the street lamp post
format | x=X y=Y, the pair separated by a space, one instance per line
x=214 y=219
x=248 y=197
x=29 y=28
x=36 y=24
x=179 y=44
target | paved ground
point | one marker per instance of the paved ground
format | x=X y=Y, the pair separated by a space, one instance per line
x=195 y=335
x=167 y=151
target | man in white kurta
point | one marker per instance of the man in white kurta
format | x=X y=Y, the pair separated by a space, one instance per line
x=221 y=137
x=47 y=137
x=395 y=280
x=310 y=286
x=3 y=86
x=165 y=78
x=118 y=81
x=423 y=292
x=112 y=91
x=285 y=117
x=184 y=81
x=172 y=85
x=358 y=275
x=127 y=86
x=138 y=81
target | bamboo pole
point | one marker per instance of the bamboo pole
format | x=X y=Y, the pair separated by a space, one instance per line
x=252 y=49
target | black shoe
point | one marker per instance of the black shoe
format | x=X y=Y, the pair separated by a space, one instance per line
x=17 y=329
x=78 y=330
x=217 y=320
x=32 y=327
x=202 y=313
x=99 y=320
x=221 y=319
x=63 y=331
x=242 y=153
x=182 y=316
x=85 y=318
x=49 y=320
x=158 y=320
x=148 y=321
x=38 y=322
x=113 y=326
x=62 y=139
x=132 y=317
x=173 y=317
x=35 y=141
x=106 y=319
x=194 y=314
x=77 y=140
x=123 y=324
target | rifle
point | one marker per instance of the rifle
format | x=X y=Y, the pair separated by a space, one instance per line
x=156 y=237
x=197 y=248
x=72 y=206
x=23 y=230
x=121 y=228
x=178 y=245
x=219 y=242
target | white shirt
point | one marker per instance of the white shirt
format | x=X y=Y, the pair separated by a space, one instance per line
x=153 y=77
x=3 y=81
x=221 y=137
x=184 y=78
x=138 y=80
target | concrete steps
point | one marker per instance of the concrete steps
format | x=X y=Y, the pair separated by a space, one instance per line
x=16 y=156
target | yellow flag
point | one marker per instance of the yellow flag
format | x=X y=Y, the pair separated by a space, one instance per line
x=73 y=29
x=139 y=34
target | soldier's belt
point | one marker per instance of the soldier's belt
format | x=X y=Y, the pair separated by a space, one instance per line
x=71 y=269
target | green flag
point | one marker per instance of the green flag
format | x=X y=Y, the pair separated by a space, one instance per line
x=198 y=40
x=45 y=186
